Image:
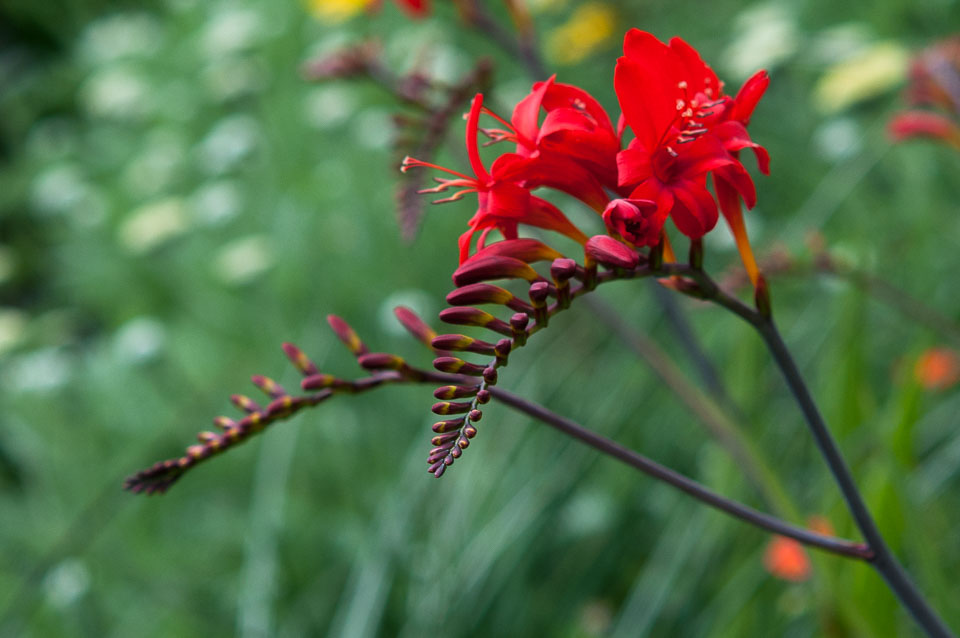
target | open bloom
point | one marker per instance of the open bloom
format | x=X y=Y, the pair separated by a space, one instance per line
x=663 y=101
x=504 y=200
x=573 y=150
x=685 y=127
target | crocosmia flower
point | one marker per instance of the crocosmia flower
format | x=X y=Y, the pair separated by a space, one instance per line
x=573 y=150
x=685 y=128
x=504 y=200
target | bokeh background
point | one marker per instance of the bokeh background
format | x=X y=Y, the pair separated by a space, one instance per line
x=176 y=200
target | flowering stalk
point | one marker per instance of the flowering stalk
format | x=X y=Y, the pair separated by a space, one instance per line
x=390 y=369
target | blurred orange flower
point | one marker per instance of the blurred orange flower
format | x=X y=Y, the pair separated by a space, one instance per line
x=786 y=559
x=937 y=369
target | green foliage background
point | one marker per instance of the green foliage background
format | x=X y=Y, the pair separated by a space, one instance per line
x=276 y=197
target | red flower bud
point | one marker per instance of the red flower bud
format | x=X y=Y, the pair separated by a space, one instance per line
x=635 y=220
x=609 y=252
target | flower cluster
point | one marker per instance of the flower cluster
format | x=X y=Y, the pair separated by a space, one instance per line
x=684 y=128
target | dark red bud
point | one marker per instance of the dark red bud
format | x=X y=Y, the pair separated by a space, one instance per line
x=610 y=252
x=347 y=335
x=474 y=317
x=414 y=324
x=299 y=359
x=491 y=268
x=526 y=250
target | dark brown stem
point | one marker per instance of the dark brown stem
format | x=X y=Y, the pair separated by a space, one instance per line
x=883 y=559
x=696 y=490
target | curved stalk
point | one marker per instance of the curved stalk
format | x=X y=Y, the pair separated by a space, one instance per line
x=736 y=509
x=883 y=559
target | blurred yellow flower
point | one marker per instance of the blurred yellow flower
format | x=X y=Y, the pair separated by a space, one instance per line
x=590 y=27
x=867 y=74
x=336 y=10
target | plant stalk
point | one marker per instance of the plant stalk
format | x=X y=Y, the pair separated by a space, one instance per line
x=883 y=559
x=696 y=490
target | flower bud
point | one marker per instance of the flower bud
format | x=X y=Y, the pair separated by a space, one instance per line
x=610 y=252
x=634 y=220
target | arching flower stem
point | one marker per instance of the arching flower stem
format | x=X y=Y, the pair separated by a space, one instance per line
x=883 y=559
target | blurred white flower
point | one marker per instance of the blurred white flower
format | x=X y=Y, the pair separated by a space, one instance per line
x=151 y=171
x=763 y=37
x=153 y=224
x=117 y=92
x=91 y=210
x=447 y=64
x=840 y=42
x=230 y=140
x=588 y=512
x=216 y=202
x=232 y=29
x=120 y=35
x=329 y=106
x=13 y=328
x=373 y=128
x=229 y=78
x=57 y=188
x=66 y=583
x=38 y=371
x=243 y=260
x=838 y=139
x=139 y=340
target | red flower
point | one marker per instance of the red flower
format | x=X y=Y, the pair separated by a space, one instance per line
x=665 y=93
x=634 y=220
x=504 y=201
x=913 y=124
x=686 y=127
x=574 y=150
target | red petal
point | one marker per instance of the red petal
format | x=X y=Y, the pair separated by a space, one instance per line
x=545 y=215
x=553 y=170
x=911 y=124
x=749 y=95
x=473 y=151
x=694 y=210
x=704 y=154
x=633 y=165
x=646 y=92
x=737 y=177
x=527 y=112
x=566 y=96
x=698 y=75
